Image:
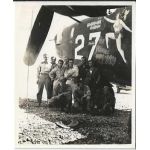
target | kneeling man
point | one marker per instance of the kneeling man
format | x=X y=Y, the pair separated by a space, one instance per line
x=82 y=97
x=63 y=96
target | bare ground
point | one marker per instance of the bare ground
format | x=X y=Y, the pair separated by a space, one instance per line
x=37 y=125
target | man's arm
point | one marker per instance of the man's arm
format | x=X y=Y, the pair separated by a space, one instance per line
x=74 y=72
x=52 y=73
x=52 y=67
x=88 y=92
x=64 y=93
x=68 y=92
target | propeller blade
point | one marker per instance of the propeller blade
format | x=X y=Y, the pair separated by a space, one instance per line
x=38 y=35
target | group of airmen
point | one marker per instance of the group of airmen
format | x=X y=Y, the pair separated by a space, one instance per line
x=75 y=88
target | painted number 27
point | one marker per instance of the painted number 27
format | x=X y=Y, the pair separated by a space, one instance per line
x=81 y=38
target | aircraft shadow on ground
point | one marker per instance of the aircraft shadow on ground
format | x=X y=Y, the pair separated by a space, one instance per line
x=114 y=129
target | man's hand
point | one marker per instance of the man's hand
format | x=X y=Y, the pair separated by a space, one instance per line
x=84 y=96
x=69 y=75
x=60 y=95
x=50 y=101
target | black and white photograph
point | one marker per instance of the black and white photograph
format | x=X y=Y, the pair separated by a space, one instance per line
x=75 y=74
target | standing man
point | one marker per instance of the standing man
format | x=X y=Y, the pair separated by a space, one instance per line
x=66 y=63
x=83 y=68
x=91 y=74
x=53 y=62
x=56 y=74
x=92 y=78
x=43 y=79
x=71 y=74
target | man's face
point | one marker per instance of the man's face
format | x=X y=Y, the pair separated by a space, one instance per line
x=45 y=57
x=53 y=61
x=66 y=60
x=90 y=64
x=60 y=64
x=70 y=63
x=81 y=85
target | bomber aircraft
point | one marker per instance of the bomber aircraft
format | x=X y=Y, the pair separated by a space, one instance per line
x=90 y=38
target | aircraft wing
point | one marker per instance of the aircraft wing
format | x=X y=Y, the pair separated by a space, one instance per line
x=90 y=11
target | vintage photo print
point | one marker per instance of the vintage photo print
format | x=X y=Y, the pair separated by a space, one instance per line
x=75 y=74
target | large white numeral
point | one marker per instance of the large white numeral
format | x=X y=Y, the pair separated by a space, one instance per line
x=79 y=38
x=95 y=35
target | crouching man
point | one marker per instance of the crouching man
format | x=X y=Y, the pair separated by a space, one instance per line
x=82 y=97
x=63 y=97
x=105 y=101
x=109 y=100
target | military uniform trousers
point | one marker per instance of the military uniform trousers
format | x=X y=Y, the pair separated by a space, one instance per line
x=55 y=85
x=44 y=80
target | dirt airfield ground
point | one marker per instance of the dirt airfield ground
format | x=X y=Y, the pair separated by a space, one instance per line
x=38 y=125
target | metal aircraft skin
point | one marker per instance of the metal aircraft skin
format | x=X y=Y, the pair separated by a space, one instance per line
x=85 y=38
x=88 y=39
x=43 y=21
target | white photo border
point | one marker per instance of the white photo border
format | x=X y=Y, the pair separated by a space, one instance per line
x=105 y=146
